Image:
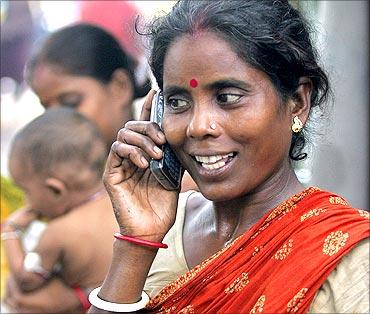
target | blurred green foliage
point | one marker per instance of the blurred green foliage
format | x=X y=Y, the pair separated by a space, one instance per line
x=12 y=197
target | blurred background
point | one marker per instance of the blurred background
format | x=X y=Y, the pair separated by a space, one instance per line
x=339 y=157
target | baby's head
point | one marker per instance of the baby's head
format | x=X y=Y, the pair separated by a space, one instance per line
x=57 y=159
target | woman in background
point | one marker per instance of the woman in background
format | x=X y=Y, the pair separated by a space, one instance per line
x=84 y=67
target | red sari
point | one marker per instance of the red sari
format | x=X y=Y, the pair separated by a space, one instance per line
x=277 y=266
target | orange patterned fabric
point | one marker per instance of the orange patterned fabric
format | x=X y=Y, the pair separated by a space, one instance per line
x=277 y=266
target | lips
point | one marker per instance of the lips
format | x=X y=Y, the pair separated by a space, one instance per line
x=213 y=162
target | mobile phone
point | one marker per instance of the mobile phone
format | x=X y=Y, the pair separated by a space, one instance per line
x=168 y=170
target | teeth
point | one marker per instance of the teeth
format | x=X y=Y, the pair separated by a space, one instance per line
x=211 y=159
x=213 y=162
x=214 y=166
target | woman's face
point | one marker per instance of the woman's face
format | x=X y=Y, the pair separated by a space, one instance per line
x=223 y=118
x=97 y=101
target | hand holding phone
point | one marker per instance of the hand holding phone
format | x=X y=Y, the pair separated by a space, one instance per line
x=168 y=170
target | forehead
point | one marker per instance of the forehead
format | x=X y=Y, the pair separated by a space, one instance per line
x=48 y=74
x=200 y=56
x=20 y=168
x=50 y=81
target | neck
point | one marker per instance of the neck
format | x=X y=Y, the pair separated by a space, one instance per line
x=234 y=217
x=86 y=196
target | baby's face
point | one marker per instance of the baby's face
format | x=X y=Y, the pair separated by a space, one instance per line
x=40 y=195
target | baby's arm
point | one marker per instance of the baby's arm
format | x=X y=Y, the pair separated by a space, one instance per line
x=31 y=270
x=54 y=297
x=11 y=232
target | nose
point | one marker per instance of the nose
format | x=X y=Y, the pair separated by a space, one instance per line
x=202 y=123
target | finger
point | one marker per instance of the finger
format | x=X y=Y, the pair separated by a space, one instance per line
x=115 y=164
x=147 y=128
x=145 y=143
x=132 y=153
x=145 y=110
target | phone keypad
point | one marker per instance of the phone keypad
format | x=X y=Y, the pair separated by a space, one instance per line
x=171 y=161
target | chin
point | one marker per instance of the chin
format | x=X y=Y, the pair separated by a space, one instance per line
x=220 y=194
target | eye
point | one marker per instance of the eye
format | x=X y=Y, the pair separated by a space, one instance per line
x=177 y=104
x=70 y=101
x=225 y=99
x=70 y=104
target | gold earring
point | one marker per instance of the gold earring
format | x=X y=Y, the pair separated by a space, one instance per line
x=297 y=125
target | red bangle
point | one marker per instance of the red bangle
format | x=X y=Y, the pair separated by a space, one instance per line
x=81 y=295
x=158 y=245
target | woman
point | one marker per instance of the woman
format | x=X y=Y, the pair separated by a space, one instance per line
x=240 y=81
x=82 y=66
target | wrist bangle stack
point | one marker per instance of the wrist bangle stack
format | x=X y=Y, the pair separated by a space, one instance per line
x=11 y=235
x=14 y=225
x=117 y=307
x=158 y=245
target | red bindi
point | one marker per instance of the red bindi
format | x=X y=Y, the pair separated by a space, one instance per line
x=193 y=83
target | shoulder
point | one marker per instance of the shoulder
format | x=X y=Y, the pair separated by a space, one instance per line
x=61 y=230
x=53 y=236
x=346 y=290
x=333 y=209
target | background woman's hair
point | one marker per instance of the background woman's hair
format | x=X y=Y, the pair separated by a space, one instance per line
x=86 y=50
x=270 y=35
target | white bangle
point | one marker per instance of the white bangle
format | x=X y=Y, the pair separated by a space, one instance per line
x=117 y=307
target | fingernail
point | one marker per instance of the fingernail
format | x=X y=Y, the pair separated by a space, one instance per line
x=161 y=136
x=157 y=149
x=144 y=161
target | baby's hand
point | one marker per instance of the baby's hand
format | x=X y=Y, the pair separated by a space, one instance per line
x=21 y=218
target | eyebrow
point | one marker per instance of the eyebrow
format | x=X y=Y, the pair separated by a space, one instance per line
x=228 y=83
x=224 y=83
x=174 y=89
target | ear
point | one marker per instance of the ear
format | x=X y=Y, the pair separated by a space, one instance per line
x=121 y=87
x=57 y=187
x=301 y=102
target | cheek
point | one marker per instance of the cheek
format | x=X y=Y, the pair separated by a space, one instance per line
x=91 y=109
x=34 y=200
x=264 y=132
x=248 y=127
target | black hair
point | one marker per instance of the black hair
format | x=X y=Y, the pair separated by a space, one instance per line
x=270 y=35
x=86 y=50
x=61 y=138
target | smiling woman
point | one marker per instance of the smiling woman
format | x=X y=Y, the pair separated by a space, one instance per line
x=237 y=245
x=243 y=104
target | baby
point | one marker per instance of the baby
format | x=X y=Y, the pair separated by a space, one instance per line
x=58 y=160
